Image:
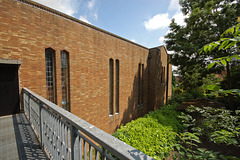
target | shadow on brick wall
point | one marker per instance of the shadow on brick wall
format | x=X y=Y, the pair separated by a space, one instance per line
x=153 y=83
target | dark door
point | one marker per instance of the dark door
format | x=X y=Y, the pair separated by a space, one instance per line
x=9 y=89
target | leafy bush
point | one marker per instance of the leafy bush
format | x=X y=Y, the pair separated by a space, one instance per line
x=159 y=133
x=180 y=95
x=223 y=136
x=148 y=136
x=188 y=148
x=154 y=133
x=219 y=125
x=167 y=116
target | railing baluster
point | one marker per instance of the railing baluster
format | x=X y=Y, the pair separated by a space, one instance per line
x=80 y=148
x=85 y=149
x=41 y=123
x=54 y=137
x=104 y=154
x=57 y=139
x=90 y=152
x=96 y=155
x=65 y=141
x=29 y=103
x=74 y=143
x=62 y=140
x=69 y=143
x=48 y=134
x=44 y=127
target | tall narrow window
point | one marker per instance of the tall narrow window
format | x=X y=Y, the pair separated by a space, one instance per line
x=50 y=74
x=111 y=86
x=142 y=90
x=163 y=74
x=139 y=83
x=117 y=87
x=65 y=79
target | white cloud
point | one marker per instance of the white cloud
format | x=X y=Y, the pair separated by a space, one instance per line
x=84 y=19
x=157 y=21
x=95 y=16
x=179 y=18
x=161 y=39
x=174 y=68
x=133 y=40
x=174 y=5
x=168 y=31
x=163 y=20
x=66 y=6
x=91 y=4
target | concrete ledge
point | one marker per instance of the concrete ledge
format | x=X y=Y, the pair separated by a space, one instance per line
x=10 y=61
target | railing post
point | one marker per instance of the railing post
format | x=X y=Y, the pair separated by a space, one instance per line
x=29 y=108
x=74 y=143
x=41 y=123
x=104 y=154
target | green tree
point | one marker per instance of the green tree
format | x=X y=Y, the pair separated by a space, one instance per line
x=229 y=42
x=205 y=22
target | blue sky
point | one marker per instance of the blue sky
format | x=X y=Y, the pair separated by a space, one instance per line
x=142 y=21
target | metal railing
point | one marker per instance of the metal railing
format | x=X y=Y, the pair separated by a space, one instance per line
x=65 y=136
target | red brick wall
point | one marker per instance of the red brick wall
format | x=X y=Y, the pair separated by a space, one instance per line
x=25 y=33
x=160 y=77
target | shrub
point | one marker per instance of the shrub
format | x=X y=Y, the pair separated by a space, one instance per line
x=148 y=136
x=167 y=116
x=154 y=134
x=221 y=126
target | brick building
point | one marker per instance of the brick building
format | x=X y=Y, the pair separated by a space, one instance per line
x=100 y=77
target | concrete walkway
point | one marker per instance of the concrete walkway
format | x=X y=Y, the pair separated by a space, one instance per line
x=17 y=139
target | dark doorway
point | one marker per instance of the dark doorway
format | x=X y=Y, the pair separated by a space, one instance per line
x=9 y=89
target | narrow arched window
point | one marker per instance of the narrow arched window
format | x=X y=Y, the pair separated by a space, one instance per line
x=117 y=87
x=139 y=83
x=142 y=86
x=111 y=86
x=164 y=78
x=65 y=80
x=50 y=74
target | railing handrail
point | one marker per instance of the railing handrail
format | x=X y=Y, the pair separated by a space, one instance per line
x=107 y=141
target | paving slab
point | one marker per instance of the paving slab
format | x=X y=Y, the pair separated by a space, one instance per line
x=18 y=140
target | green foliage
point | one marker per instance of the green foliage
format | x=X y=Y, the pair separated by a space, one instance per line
x=219 y=125
x=159 y=133
x=188 y=148
x=167 y=116
x=222 y=97
x=187 y=120
x=148 y=136
x=185 y=146
x=174 y=82
x=230 y=44
x=235 y=77
x=180 y=95
x=225 y=43
x=210 y=79
x=224 y=136
x=154 y=134
x=205 y=22
x=192 y=78
x=213 y=87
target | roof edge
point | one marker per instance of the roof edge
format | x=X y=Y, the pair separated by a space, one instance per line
x=53 y=11
x=159 y=48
